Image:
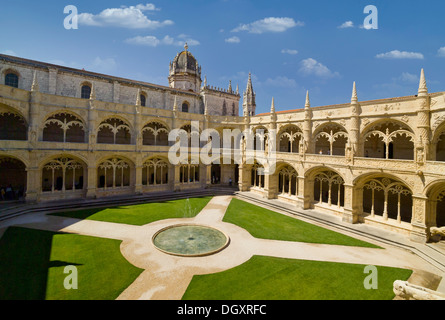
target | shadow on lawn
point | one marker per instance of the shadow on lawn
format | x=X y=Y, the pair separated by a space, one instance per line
x=25 y=262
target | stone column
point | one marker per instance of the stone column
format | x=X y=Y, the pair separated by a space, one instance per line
x=138 y=171
x=271 y=186
x=351 y=213
x=245 y=177
x=423 y=121
x=33 y=180
x=307 y=127
x=354 y=129
x=419 y=232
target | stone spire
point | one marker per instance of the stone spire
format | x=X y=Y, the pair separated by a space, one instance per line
x=35 y=83
x=237 y=89
x=175 y=105
x=272 y=108
x=249 y=88
x=230 y=86
x=138 y=98
x=93 y=93
x=423 y=90
x=308 y=102
x=354 y=98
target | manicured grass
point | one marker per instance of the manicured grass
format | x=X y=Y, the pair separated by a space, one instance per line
x=32 y=264
x=267 y=278
x=265 y=224
x=144 y=213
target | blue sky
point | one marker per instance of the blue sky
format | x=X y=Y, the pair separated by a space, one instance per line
x=289 y=46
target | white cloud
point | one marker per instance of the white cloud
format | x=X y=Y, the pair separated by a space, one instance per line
x=347 y=24
x=441 y=52
x=233 y=40
x=281 y=81
x=125 y=17
x=408 y=77
x=103 y=65
x=147 y=7
x=8 y=52
x=289 y=51
x=313 y=67
x=396 y=54
x=269 y=25
x=152 y=41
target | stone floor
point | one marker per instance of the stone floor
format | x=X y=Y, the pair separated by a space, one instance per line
x=166 y=277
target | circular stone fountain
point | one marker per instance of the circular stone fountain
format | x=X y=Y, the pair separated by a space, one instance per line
x=187 y=240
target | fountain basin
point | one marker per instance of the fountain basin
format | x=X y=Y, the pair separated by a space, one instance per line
x=190 y=240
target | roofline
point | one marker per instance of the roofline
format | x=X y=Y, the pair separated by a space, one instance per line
x=348 y=104
x=82 y=72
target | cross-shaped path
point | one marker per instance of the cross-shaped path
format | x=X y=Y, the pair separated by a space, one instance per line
x=166 y=277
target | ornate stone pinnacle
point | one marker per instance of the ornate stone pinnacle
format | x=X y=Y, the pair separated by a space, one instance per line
x=423 y=90
x=308 y=102
x=354 y=93
x=35 y=83
x=272 y=108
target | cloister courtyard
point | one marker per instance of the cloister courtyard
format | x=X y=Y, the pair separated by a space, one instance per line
x=276 y=254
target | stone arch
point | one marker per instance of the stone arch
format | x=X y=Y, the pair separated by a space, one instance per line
x=13 y=178
x=185 y=107
x=12 y=71
x=289 y=138
x=155 y=133
x=63 y=173
x=435 y=212
x=115 y=172
x=386 y=196
x=85 y=89
x=287 y=179
x=388 y=139
x=325 y=186
x=63 y=126
x=438 y=143
x=155 y=171
x=13 y=125
x=331 y=139
x=114 y=130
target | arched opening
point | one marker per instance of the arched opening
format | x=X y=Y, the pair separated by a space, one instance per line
x=387 y=198
x=85 y=91
x=331 y=140
x=155 y=172
x=12 y=126
x=12 y=79
x=329 y=189
x=113 y=173
x=389 y=140
x=143 y=99
x=155 y=134
x=257 y=176
x=287 y=181
x=290 y=139
x=440 y=148
x=62 y=174
x=185 y=107
x=440 y=210
x=12 y=179
x=114 y=131
x=189 y=173
x=64 y=127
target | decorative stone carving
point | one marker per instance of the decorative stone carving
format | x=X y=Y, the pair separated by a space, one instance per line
x=408 y=291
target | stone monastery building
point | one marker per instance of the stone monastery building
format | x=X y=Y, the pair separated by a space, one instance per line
x=73 y=134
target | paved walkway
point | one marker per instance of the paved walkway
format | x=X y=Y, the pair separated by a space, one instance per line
x=166 y=277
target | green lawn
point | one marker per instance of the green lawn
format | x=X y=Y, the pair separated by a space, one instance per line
x=144 y=213
x=265 y=224
x=267 y=278
x=32 y=264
